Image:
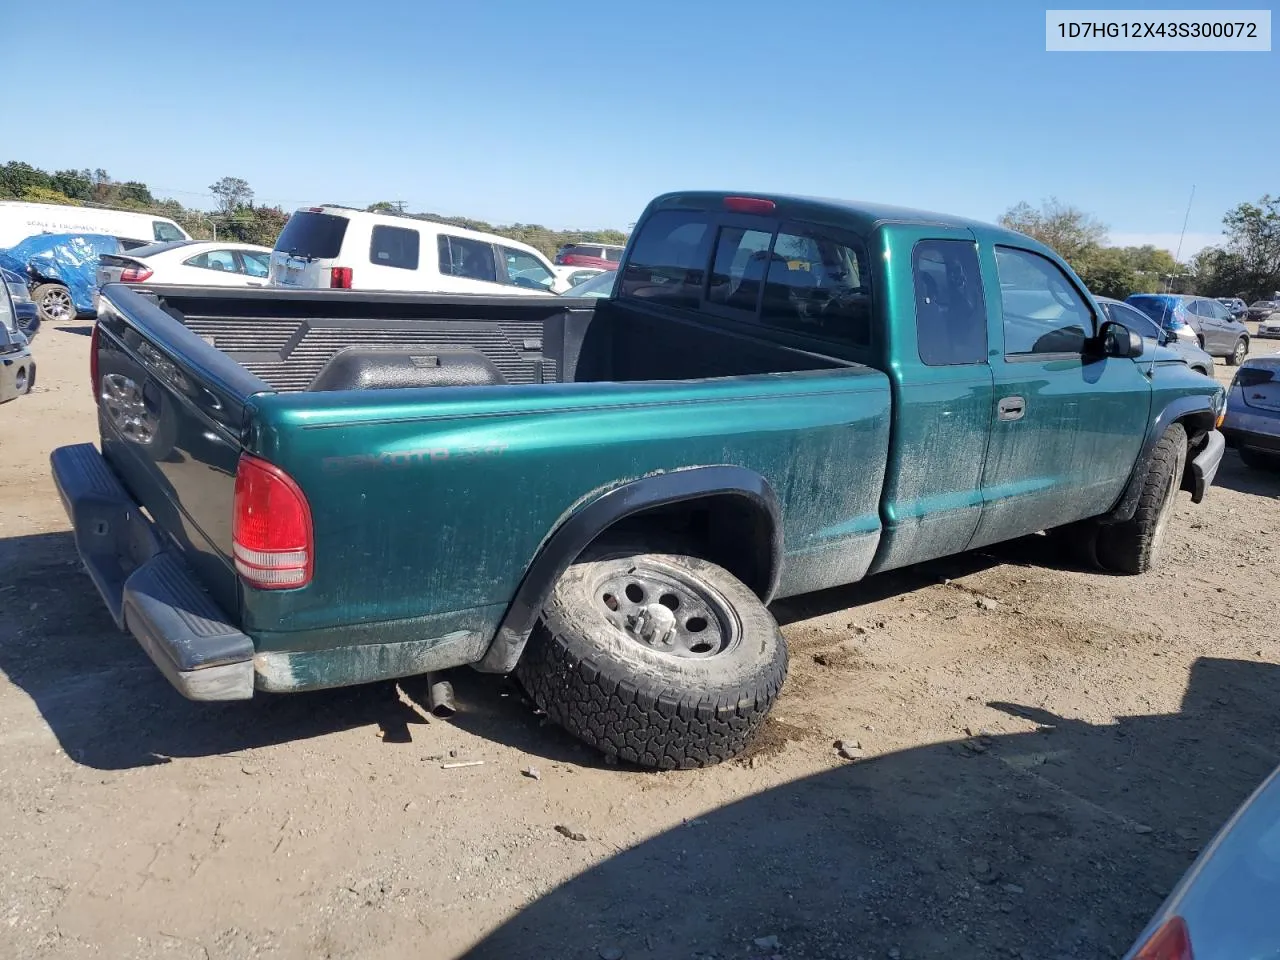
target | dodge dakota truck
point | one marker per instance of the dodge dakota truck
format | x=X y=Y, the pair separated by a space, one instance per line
x=307 y=489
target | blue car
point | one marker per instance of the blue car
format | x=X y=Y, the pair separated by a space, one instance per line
x=1215 y=329
x=61 y=270
x=27 y=317
x=1252 y=423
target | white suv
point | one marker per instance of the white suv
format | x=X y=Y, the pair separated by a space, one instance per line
x=341 y=248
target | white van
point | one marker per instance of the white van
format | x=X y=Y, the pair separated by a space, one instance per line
x=345 y=249
x=19 y=220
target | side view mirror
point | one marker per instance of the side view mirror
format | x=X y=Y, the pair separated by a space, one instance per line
x=1119 y=341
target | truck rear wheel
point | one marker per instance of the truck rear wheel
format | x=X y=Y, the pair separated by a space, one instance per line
x=659 y=659
x=1135 y=546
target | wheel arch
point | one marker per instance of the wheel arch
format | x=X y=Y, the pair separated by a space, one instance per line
x=726 y=514
x=1197 y=416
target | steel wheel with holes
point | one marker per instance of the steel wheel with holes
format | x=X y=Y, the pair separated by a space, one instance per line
x=1136 y=545
x=54 y=303
x=660 y=659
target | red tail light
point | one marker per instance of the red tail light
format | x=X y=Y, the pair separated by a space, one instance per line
x=272 y=527
x=1170 y=942
x=340 y=278
x=93 y=362
x=136 y=274
x=749 y=205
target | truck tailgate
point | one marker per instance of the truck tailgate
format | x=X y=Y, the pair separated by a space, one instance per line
x=170 y=417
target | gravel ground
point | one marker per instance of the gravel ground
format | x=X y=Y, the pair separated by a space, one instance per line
x=1038 y=753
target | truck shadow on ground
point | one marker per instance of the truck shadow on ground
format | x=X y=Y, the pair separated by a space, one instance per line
x=1234 y=475
x=1059 y=842
x=111 y=709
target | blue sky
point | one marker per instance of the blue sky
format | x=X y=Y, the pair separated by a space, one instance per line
x=575 y=114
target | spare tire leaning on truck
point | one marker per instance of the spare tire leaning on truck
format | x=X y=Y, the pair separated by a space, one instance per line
x=660 y=659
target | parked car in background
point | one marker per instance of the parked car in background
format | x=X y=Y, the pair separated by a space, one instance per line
x=1218 y=333
x=1224 y=907
x=61 y=270
x=19 y=220
x=1188 y=351
x=26 y=315
x=1235 y=306
x=603 y=255
x=343 y=249
x=601 y=285
x=576 y=275
x=1252 y=423
x=17 y=368
x=1266 y=313
x=194 y=262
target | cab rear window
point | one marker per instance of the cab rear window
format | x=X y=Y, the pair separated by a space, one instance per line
x=317 y=236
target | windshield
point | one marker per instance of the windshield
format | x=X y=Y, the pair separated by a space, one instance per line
x=316 y=236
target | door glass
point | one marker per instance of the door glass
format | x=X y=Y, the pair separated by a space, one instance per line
x=255 y=264
x=467 y=258
x=526 y=270
x=1043 y=313
x=166 y=231
x=951 y=313
x=223 y=261
x=1135 y=320
x=6 y=312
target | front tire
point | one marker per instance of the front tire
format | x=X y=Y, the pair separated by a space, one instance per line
x=54 y=303
x=1238 y=353
x=659 y=659
x=1136 y=545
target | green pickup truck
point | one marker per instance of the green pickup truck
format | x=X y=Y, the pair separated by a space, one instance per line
x=306 y=489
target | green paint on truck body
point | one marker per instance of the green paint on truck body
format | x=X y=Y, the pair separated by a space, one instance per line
x=431 y=505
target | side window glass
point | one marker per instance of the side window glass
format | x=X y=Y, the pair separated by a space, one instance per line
x=6 y=311
x=742 y=258
x=467 y=258
x=255 y=264
x=220 y=260
x=394 y=247
x=1043 y=313
x=668 y=259
x=526 y=270
x=951 y=312
x=818 y=286
x=165 y=231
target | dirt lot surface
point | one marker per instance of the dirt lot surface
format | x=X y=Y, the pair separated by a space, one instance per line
x=1035 y=772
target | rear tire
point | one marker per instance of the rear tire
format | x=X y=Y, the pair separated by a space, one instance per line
x=54 y=303
x=668 y=690
x=1257 y=460
x=1136 y=545
x=1238 y=353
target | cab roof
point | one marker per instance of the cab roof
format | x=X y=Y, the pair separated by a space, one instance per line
x=860 y=216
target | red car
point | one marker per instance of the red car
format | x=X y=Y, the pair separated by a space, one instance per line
x=602 y=255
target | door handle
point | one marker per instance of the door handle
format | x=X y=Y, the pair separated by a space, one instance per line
x=1011 y=408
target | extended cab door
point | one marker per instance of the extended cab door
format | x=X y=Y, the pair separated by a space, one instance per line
x=936 y=357
x=1068 y=422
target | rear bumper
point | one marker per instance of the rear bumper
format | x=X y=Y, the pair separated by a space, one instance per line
x=150 y=592
x=1205 y=465
x=1249 y=427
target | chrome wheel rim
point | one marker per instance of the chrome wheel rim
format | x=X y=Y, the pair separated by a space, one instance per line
x=126 y=407
x=56 y=305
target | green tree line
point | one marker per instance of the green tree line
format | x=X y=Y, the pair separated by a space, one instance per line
x=235 y=215
x=1246 y=265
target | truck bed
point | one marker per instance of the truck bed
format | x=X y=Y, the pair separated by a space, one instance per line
x=430 y=502
x=287 y=339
